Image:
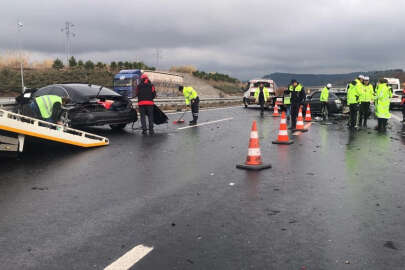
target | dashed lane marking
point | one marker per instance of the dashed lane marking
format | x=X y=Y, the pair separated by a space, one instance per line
x=207 y=110
x=130 y=258
x=207 y=123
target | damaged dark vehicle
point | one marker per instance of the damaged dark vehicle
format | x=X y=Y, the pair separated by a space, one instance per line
x=88 y=105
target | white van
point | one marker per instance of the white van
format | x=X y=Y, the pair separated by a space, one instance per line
x=395 y=85
x=248 y=96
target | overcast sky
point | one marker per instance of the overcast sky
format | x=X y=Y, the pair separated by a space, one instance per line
x=239 y=37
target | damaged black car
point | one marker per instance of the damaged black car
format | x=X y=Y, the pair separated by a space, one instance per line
x=88 y=105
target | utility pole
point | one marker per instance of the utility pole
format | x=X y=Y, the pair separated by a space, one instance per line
x=68 y=33
x=20 y=26
x=159 y=56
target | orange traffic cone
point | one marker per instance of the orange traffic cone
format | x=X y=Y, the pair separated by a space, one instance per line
x=253 y=160
x=308 y=117
x=275 y=113
x=283 y=133
x=300 y=122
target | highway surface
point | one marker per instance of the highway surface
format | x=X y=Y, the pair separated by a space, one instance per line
x=333 y=200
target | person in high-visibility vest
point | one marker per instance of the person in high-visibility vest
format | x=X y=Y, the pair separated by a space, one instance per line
x=47 y=108
x=261 y=96
x=366 y=96
x=382 y=101
x=297 y=98
x=324 y=99
x=287 y=102
x=192 y=100
x=353 y=100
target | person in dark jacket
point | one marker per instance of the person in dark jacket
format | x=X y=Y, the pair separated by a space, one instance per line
x=297 y=98
x=146 y=93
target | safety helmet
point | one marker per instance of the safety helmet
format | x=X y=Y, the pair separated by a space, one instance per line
x=361 y=76
x=329 y=85
x=366 y=78
x=144 y=76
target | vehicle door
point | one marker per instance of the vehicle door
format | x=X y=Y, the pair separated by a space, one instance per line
x=316 y=102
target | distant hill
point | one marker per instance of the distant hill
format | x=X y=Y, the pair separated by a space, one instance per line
x=283 y=79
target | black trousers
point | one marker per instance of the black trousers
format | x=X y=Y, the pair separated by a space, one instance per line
x=261 y=103
x=364 y=113
x=382 y=124
x=195 y=107
x=324 y=110
x=146 y=111
x=353 y=115
x=294 y=114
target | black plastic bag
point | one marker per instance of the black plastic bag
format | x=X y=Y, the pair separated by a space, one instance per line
x=159 y=117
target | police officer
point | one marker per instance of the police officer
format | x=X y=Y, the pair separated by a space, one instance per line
x=324 y=101
x=192 y=100
x=353 y=100
x=261 y=96
x=145 y=92
x=366 y=96
x=382 y=101
x=297 y=97
x=47 y=107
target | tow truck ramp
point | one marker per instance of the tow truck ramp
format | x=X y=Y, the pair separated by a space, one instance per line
x=16 y=126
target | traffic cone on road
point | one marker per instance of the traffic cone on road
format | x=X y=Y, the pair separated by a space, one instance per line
x=300 y=122
x=308 y=117
x=275 y=113
x=283 y=133
x=253 y=160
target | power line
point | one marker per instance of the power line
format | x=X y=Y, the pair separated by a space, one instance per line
x=68 y=30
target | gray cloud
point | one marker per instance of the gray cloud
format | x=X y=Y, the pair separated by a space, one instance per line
x=243 y=38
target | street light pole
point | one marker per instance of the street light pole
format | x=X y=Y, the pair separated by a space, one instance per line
x=19 y=28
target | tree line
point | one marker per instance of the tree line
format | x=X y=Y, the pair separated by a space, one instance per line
x=218 y=77
x=90 y=65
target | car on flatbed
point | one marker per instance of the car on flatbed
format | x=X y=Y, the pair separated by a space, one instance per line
x=89 y=105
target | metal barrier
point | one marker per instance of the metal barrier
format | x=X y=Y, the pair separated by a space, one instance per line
x=9 y=103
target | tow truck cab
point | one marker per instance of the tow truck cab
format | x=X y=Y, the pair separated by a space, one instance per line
x=248 y=96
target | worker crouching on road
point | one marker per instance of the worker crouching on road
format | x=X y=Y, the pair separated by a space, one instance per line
x=146 y=94
x=353 y=100
x=297 y=97
x=366 y=96
x=382 y=104
x=324 y=101
x=48 y=108
x=261 y=96
x=192 y=100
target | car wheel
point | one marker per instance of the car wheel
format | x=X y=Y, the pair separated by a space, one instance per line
x=118 y=126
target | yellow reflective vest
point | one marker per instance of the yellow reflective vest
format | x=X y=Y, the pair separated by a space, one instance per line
x=45 y=104
x=189 y=94
x=382 y=101
x=266 y=94
x=367 y=93
x=324 y=95
x=353 y=92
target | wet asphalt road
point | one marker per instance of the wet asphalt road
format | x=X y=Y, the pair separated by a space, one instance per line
x=333 y=199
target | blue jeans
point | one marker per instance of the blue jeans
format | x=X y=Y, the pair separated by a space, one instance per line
x=288 y=110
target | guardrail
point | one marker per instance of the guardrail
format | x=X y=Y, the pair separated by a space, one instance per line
x=9 y=103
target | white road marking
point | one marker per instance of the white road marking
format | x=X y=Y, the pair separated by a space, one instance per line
x=130 y=258
x=206 y=110
x=207 y=123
